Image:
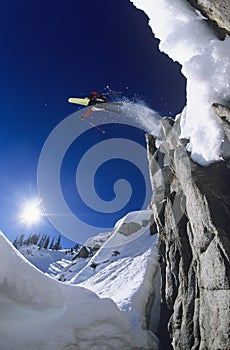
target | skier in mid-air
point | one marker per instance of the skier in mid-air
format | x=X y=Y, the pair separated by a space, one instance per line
x=95 y=97
x=93 y=100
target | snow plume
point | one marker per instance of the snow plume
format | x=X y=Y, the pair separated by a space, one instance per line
x=142 y=116
x=33 y=305
x=186 y=38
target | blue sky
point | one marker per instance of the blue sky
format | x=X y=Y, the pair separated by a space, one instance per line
x=53 y=50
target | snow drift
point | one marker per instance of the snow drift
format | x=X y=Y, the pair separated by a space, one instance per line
x=39 y=312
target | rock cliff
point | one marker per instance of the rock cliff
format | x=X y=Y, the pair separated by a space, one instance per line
x=192 y=214
x=217 y=12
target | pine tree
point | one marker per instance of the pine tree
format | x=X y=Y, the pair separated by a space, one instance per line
x=57 y=245
x=21 y=240
x=42 y=241
x=76 y=247
x=15 y=243
x=28 y=240
x=52 y=244
x=47 y=242
x=35 y=239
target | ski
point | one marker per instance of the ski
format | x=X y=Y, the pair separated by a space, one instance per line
x=114 y=103
x=103 y=107
x=93 y=125
x=112 y=110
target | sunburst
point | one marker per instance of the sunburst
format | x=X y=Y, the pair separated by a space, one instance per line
x=31 y=212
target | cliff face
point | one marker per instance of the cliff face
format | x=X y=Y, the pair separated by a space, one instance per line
x=192 y=213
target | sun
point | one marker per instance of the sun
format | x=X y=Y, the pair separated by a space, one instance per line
x=31 y=212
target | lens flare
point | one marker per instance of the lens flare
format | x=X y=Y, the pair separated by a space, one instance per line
x=31 y=212
x=96 y=207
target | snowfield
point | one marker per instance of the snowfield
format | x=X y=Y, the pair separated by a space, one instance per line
x=107 y=310
x=38 y=312
x=44 y=259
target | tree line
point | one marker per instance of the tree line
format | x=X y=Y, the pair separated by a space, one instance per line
x=41 y=240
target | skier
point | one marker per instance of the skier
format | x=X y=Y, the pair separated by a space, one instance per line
x=95 y=97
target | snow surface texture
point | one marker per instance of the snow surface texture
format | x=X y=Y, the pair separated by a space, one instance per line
x=126 y=270
x=39 y=312
x=42 y=258
x=186 y=38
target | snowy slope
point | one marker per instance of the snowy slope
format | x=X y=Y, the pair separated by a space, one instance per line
x=126 y=270
x=108 y=314
x=38 y=312
x=43 y=258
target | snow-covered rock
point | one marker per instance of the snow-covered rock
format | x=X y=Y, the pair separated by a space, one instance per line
x=188 y=39
x=217 y=11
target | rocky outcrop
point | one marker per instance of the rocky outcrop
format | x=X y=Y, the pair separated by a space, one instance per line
x=128 y=228
x=217 y=12
x=192 y=213
x=84 y=253
x=223 y=115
